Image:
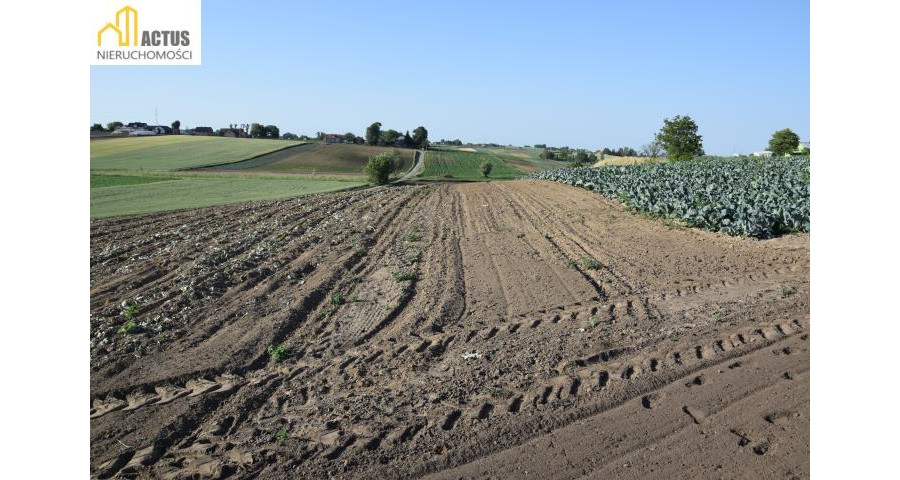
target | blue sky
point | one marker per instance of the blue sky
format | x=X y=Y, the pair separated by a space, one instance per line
x=583 y=74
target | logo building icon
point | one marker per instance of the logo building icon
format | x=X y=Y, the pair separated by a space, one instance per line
x=126 y=27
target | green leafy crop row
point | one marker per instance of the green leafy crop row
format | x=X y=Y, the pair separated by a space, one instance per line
x=738 y=196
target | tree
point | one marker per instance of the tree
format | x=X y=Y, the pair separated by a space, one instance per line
x=486 y=168
x=388 y=137
x=547 y=154
x=379 y=168
x=373 y=133
x=349 y=137
x=257 y=131
x=290 y=136
x=320 y=135
x=113 y=125
x=271 y=131
x=420 y=137
x=783 y=142
x=176 y=127
x=97 y=128
x=652 y=149
x=679 y=138
x=407 y=140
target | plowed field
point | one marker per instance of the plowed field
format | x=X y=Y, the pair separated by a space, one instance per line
x=484 y=330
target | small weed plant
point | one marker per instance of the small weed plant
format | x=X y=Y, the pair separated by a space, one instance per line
x=404 y=276
x=277 y=353
x=337 y=298
x=130 y=327
x=590 y=263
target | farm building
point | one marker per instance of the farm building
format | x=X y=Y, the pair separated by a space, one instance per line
x=133 y=131
x=137 y=125
x=203 y=131
x=232 y=132
x=333 y=138
x=160 y=129
x=761 y=153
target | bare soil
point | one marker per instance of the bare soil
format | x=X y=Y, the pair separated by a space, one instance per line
x=485 y=330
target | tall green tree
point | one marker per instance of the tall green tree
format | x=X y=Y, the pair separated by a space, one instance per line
x=679 y=138
x=783 y=142
x=388 y=137
x=176 y=126
x=272 y=131
x=113 y=125
x=349 y=137
x=373 y=133
x=257 y=131
x=97 y=128
x=420 y=137
x=407 y=140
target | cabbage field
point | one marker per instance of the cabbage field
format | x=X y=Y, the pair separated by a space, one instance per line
x=738 y=196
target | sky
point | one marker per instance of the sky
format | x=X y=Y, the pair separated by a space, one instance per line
x=583 y=74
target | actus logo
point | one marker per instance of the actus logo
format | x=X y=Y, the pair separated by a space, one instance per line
x=127 y=20
x=126 y=28
x=173 y=36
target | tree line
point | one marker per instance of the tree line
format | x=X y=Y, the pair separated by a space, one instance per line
x=376 y=136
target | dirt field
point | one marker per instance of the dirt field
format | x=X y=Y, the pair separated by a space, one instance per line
x=492 y=330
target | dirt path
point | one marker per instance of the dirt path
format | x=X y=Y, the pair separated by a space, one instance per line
x=449 y=330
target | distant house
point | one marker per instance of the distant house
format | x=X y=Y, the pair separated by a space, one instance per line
x=160 y=129
x=232 y=132
x=762 y=153
x=333 y=138
x=203 y=131
x=133 y=131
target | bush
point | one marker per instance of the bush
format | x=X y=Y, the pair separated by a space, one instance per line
x=379 y=168
x=486 y=168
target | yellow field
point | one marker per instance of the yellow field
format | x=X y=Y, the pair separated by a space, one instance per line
x=611 y=160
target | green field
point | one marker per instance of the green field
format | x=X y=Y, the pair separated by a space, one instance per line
x=132 y=176
x=176 y=152
x=316 y=158
x=100 y=180
x=199 y=190
x=527 y=159
x=515 y=161
x=463 y=165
